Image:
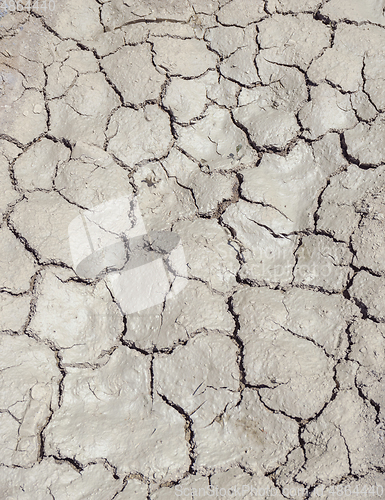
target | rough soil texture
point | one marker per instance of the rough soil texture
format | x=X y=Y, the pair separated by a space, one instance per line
x=252 y=132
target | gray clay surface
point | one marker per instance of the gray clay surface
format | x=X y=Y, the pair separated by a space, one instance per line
x=244 y=141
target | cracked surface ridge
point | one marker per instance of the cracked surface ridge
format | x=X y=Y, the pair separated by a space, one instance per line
x=192 y=263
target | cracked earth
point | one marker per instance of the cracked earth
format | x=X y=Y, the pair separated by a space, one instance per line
x=254 y=132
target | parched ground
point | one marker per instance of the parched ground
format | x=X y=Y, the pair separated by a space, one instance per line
x=237 y=350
